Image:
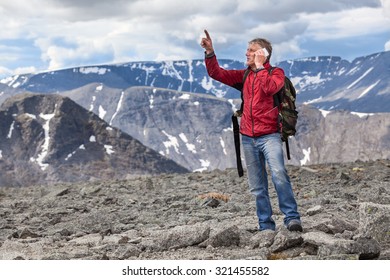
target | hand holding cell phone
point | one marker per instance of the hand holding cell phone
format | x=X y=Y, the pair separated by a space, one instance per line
x=261 y=57
x=262 y=52
x=265 y=52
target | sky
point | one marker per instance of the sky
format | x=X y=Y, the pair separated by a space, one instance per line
x=46 y=35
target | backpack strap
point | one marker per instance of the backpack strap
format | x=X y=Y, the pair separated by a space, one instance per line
x=236 y=132
x=236 y=127
x=287 y=149
x=278 y=98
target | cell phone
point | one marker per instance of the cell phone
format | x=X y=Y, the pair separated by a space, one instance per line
x=265 y=52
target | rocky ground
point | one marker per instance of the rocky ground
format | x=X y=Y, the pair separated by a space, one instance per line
x=345 y=212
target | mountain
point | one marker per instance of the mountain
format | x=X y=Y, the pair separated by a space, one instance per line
x=339 y=136
x=155 y=103
x=192 y=129
x=331 y=83
x=49 y=138
x=6 y=92
x=188 y=76
x=195 y=130
x=326 y=82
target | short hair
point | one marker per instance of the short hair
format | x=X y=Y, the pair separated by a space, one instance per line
x=264 y=43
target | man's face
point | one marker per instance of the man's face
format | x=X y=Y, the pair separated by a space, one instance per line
x=250 y=54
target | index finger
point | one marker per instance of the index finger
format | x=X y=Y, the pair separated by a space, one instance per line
x=207 y=34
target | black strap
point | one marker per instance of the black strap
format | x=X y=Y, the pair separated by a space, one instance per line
x=236 y=127
x=287 y=150
x=236 y=131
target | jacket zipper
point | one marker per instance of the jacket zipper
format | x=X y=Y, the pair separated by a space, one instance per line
x=251 y=109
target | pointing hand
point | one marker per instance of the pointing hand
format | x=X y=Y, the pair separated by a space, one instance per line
x=207 y=43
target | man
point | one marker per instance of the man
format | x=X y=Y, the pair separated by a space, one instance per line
x=259 y=129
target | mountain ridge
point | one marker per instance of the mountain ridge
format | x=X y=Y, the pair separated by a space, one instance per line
x=206 y=127
x=50 y=138
x=150 y=102
x=326 y=82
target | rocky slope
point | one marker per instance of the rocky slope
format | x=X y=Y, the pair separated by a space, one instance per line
x=345 y=212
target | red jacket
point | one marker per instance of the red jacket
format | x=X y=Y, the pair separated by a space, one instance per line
x=259 y=117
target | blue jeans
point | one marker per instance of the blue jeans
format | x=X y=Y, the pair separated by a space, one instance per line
x=258 y=151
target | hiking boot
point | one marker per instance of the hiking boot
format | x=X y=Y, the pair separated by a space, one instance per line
x=294 y=225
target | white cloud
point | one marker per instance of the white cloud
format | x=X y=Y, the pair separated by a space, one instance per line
x=344 y=24
x=23 y=70
x=5 y=72
x=386 y=13
x=386 y=7
x=72 y=33
x=387 y=46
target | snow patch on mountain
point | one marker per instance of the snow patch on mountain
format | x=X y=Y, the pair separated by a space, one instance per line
x=190 y=147
x=14 y=81
x=360 y=78
x=172 y=142
x=362 y=115
x=368 y=89
x=204 y=165
x=81 y=147
x=306 y=158
x=117 y=108
x=92 y=103
x=308 y=80
x=102 y=112
x=11 y=129
x=93 y=70
x=109 y=149
x=324 y=112
x=222 y=145
x=99 y=88
x=313 y=100
x=185 y=96
x=45 y=145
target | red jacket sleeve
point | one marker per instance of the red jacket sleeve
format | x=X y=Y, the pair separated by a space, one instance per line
x=227 y=77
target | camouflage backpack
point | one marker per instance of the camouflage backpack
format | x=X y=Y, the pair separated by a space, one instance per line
x=288 y=115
